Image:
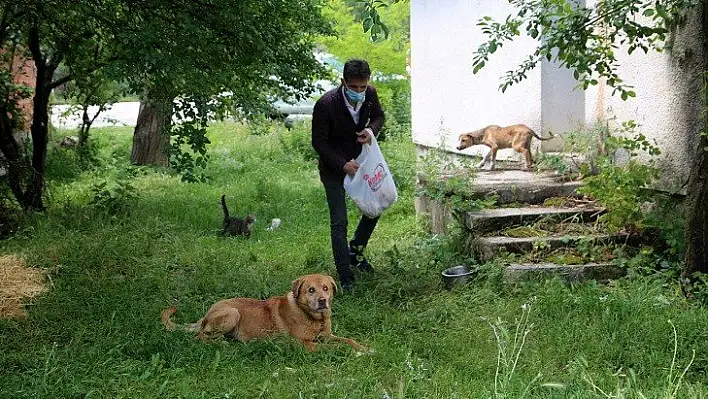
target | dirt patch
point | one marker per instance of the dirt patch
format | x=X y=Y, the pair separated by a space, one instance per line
x=18 y=282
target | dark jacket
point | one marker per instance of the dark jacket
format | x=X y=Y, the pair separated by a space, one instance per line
x=334 y=131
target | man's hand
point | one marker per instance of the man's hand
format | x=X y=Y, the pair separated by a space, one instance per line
x=351 y=167
x=364 y=136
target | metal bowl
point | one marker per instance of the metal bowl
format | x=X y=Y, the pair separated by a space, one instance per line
x=457 y=275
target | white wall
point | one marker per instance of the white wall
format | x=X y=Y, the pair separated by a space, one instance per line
x=562 y=104
x=447 y=98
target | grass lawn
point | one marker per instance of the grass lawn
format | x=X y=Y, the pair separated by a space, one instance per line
x=116 y=263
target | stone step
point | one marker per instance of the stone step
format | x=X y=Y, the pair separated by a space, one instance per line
x=570 y=273
x=488 y=220
x=509 y=185
x=520 y=186
x=487 y=247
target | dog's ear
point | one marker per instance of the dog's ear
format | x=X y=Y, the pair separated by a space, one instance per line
x=333 y=284
x=296 y=287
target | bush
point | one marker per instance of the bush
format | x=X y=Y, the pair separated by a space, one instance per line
x=298 y=140
x=622 y=187
x=395 y=97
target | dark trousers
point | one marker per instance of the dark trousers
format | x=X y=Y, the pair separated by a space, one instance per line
x=336 y=201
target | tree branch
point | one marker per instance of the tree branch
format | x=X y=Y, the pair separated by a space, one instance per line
x=34 y=48
x=3 y=22
x=70 y=76
x=56 y=83
x=55 y=60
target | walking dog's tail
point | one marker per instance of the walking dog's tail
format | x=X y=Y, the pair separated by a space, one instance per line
x=171 y=325
x=541 y=138
x=223 y=206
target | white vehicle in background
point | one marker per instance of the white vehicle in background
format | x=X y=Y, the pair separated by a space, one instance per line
x=293 y=111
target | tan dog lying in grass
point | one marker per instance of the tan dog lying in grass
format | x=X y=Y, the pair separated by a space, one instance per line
x=305 y=313
x=497 y=138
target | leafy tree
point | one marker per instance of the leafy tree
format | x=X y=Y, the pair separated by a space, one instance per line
x=97 y=90
x=192 y=49
x=50 y=33
x=251 y=49
x=387 y=56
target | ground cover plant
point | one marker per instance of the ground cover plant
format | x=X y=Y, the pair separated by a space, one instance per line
x=121 y=243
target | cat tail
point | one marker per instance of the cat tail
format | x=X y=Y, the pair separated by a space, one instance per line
x=223 y=206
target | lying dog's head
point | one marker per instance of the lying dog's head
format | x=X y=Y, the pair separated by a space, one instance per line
x=314 y=292
x=469 y=139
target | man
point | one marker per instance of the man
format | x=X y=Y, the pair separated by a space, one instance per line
x=343 y=119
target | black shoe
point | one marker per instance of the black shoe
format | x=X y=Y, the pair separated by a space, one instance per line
x=357 y=259
x=346 y=277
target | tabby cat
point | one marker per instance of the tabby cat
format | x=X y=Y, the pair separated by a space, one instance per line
x=234 y=226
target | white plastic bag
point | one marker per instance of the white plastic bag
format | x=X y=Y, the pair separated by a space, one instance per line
x=372 y=188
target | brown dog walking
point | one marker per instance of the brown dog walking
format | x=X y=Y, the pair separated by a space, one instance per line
x=497 y=138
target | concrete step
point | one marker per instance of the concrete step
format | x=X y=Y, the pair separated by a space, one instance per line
x=510 y=185
x=488 y=220
x=571 y=273
x=487 y=247
x=520 y=186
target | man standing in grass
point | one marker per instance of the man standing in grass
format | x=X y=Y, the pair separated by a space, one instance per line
x=343 y=119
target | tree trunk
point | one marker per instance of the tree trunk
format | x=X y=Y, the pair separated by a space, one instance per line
x=151 y=138
x=14 y=161
x=40 y=135
x=696 y=228
x=697 y=214
x=86 y=122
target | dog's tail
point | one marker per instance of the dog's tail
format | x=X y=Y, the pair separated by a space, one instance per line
x=541 y=138
x=167 y=318
x=223 y=206
x=171 y=325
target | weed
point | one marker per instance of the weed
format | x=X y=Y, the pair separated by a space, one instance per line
x=623 y=187
x=509 y=348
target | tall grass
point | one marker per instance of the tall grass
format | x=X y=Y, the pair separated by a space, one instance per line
x=96 y=333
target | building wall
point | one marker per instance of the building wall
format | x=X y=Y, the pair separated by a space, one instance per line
x=24 y=72
x=448 y=99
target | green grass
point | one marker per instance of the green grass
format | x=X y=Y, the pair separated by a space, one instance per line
x=96 y=333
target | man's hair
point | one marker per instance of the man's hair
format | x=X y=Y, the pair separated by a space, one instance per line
x=356 y=69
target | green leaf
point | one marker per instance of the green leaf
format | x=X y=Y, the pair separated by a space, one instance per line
x=385 y=30
x=375 y=29
x=367 y=23
x=477 y=67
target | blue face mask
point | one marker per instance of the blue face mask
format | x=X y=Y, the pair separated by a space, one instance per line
x=354 y=96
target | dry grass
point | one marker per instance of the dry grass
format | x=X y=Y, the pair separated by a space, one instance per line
x=18 y=282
